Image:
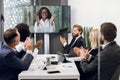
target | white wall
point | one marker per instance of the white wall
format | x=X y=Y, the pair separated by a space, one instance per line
x=95 y=12
x=110 y=11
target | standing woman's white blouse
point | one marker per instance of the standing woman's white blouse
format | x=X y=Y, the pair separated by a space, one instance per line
x=44 y=26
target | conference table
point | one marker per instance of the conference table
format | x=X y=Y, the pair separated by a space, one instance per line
x=39 y=69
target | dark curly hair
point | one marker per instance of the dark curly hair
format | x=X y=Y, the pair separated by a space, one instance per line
x=24 y=31
x=40 y=11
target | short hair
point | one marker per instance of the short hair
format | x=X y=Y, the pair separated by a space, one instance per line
x=48 y=11
x=9 y=35
x=109 y=31
x=79 y=27
x=24 y=31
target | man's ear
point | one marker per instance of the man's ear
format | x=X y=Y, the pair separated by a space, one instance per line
x=15 y=42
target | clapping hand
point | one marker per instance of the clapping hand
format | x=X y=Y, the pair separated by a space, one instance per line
x=52 y=19
x=38 y=43
x=84 y=54
x=37 y=19
x=76 y=51
x=63 y=40
x=28 y=44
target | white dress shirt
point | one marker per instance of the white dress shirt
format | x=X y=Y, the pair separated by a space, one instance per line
x=104 y=45
x=44 y=26
x=20 y=46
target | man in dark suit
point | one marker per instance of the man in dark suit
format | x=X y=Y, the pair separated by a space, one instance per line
x=77 y=40
x=11 y=62
x=109 y=58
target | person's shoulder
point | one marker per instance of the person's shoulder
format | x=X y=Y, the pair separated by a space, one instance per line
x=4 y=50
x=111 y=48
x=1 y=42
x=117 y=47
x=80 y=39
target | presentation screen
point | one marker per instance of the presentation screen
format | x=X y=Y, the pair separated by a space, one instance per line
x=47 y=19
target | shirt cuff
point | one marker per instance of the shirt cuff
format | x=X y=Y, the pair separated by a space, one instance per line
x=89 y=58
x=35 y=52
x=23 y=48
x=19 y=48
x=29 y=52
x=64 y=44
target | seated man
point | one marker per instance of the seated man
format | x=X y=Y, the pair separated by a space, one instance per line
x=110 y=56
x=24 y=31
x=10 y=64
x=77 y=40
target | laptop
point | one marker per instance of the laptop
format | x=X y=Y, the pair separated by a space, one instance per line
x=63 y=59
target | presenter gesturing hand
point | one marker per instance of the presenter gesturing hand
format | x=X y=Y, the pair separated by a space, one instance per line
x=52 y=19
x=37 y=19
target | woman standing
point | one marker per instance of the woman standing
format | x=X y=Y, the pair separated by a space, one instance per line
x=44 y=21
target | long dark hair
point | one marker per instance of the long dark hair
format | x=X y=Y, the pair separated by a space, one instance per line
x=40 y=11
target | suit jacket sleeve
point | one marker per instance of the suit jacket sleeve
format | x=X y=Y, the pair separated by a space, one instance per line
x=21 y=53
x=17 y=63
x=89 y=67
x=67 y=48
x=78 y=44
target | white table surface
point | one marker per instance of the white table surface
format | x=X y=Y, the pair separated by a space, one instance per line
x=67 y=70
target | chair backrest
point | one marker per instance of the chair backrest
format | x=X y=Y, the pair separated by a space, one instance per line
x=116 y=75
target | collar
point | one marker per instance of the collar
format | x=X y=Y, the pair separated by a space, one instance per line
x=107 y=44
x=45 y=20
x=6 y=45
x=14 y=49
x=78 y=37
x=9 y=47
x=22 y=43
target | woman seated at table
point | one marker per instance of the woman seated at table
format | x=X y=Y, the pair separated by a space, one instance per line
x=93 y=51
